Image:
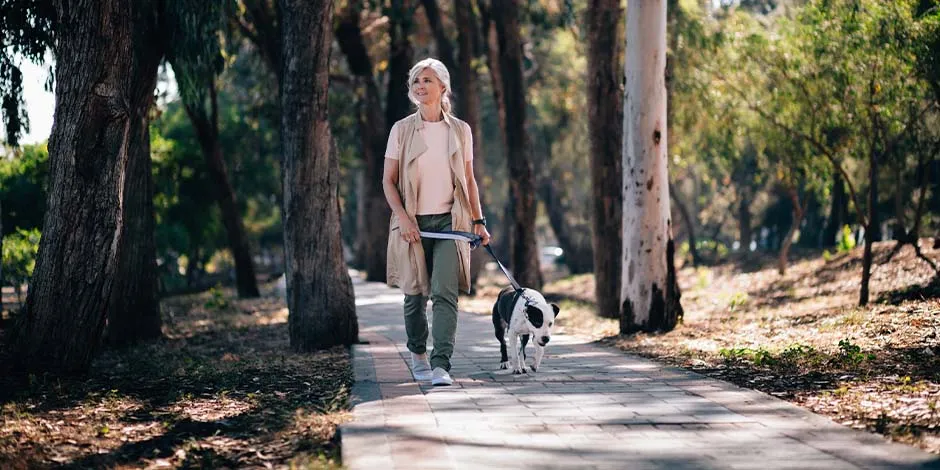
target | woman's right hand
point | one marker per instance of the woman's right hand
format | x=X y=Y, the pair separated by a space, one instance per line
x=408 y=229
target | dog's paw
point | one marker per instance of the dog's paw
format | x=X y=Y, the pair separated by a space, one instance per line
x=534 y=368
x=503 y=365
x=519 y=371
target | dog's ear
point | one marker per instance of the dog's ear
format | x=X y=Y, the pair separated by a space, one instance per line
x=535 y=316
x=556 y=309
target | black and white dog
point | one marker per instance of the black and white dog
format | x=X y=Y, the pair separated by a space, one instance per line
x=522 y=313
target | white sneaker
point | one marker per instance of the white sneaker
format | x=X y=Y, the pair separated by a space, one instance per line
x=420 y=367
x=440 y=377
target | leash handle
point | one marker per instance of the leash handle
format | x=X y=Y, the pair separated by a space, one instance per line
x=474 y=241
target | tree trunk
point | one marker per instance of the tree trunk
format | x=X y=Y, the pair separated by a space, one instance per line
x=689 y=224
x=1 y=268
x=192 y=266
x=605 y=107
x=838 y=211
x=445 y=50
x=374 y=213
x=798 y=212
x=207 y=131
x=649 y=291
x=745 y=225
x=400 y=62
x=319 y=289
x=502 y=231
x=900 y=230
x=524 y=246
x=104 y=78
x=468 y=105
x=134 y=314
x=578 y=256
x=870 y=234
x=259 y=22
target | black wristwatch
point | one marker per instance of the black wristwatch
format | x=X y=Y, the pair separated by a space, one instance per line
x=480 y=222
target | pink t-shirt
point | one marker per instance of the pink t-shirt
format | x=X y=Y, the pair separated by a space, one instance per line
x=435 y=183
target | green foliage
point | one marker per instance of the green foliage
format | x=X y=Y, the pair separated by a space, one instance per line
x=798 y=356
x=852 y=353
x=26 y=32
x=739 y=299
x=23 y=182
x=188 y=219
x=193 y=29
x=216 y=300
x=760 y=356
x=846 y=240
x=19 y=256
x=782 y=102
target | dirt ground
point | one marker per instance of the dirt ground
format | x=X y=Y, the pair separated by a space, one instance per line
x=801 y=337
x=221 y=390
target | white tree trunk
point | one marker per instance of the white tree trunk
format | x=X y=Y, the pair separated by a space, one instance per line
x=649 y=295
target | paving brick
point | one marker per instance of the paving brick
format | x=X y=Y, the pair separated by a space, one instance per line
x=588 y=407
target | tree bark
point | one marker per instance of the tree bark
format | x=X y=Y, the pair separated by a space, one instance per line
x=104 y=79
x=468 y=105
x=523 y=245
x=900 y=229
x=319 y=290
x=259 y=22
x=502 y=231
x=134 y=313
x=838 y=212
x=445 y=50
x=744 y=222
x=400 y=61
x=578 y=256
x=374 y=213
x=689 y=224
x=606 y=131
x=870 y=234
x=798 y=212
x=649 y=291
x=207 y=131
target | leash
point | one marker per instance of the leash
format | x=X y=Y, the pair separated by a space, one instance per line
x=474 y=241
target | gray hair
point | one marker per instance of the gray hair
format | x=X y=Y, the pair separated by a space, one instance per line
x=443 y=75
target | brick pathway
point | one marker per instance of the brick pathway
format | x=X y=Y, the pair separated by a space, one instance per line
x=587 y=407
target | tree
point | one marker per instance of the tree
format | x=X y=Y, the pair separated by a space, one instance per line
x=649 y=291
x=196 y=62
x=468 y=105
x=26 y=31
x=319 y=289
x=401 y=21
x=523 y=245
x=373 y=211
x=606 y=129
x=105 y=79
x=134 y=312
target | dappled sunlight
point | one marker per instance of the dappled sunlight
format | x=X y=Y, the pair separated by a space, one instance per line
x=211 y=409
x=222 y=390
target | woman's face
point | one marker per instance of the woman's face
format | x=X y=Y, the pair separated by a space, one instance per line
x=427 y=88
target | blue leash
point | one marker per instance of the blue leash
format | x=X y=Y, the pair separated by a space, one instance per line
x=474 y=240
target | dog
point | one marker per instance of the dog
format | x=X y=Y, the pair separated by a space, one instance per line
x=522 y=313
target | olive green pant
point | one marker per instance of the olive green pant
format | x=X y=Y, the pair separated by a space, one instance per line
x=441 y=258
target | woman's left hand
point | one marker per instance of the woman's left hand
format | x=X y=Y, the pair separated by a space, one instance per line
x=480 y=230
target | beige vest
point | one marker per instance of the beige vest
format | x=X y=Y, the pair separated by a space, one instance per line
x=406 y=267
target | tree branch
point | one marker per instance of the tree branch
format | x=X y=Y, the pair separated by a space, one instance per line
x=822 y=148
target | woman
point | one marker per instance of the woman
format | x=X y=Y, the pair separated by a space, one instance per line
x=429 y=185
